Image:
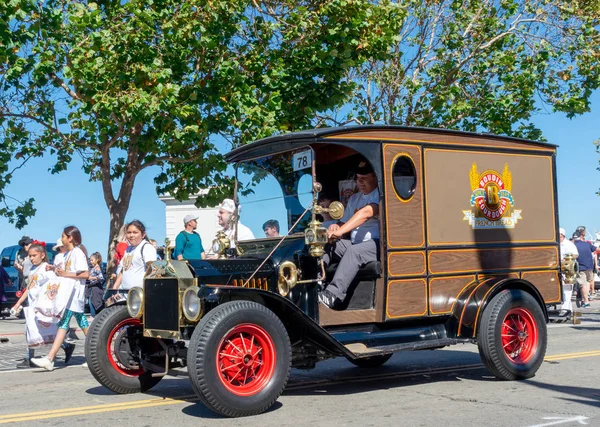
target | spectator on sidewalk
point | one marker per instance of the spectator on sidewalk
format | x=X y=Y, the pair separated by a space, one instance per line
x=22 y=262
x=138 y=253
x=586 y=266
x=188 y=244
x=121 y=245
x=95 y=286
x=74 y=273
x=271 y=228
x=38 y=333
x=567 y=248
x=582 y=230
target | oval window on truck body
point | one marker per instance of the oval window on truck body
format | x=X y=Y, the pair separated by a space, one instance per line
x=405 y=177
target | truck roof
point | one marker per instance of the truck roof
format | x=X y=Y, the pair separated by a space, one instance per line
x=379 y=133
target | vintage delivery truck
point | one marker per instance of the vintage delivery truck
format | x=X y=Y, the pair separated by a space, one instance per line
x=468 y=252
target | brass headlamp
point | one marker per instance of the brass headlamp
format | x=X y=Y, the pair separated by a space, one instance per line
x=315 y=235
x=221 y=244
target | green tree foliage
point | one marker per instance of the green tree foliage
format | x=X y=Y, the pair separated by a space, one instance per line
x=128 y=85
x=482 y=65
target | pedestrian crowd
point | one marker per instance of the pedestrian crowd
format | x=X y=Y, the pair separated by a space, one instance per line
x=52 y=293
x=586 y=253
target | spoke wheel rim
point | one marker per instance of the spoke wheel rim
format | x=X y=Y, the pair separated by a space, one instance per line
x=115 y=340
x=246 y=360
x=519 y=335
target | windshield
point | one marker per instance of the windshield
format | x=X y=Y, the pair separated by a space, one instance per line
x=274 y=191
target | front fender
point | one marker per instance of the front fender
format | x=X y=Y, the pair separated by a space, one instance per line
x=474 y=299
x=298 y=324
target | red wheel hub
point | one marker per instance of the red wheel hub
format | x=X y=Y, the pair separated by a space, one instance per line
x=246 y=359
x=519 y=335
x=117 y=343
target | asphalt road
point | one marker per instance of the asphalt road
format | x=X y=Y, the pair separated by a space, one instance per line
x=448 y=387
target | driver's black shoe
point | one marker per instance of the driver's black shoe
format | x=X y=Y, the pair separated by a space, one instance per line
x=69 y=349
x=328 y=299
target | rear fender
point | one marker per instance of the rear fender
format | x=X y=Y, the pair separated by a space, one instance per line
x=297 y=323
x=474 y=299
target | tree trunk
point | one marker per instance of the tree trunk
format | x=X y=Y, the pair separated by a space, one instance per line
x=117 y=208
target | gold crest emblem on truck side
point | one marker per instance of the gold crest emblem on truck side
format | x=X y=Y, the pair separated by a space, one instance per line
x=491 y=200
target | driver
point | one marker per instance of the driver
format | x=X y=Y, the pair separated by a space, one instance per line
x=361 y=220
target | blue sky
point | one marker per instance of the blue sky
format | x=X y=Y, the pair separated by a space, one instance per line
x=69 y=198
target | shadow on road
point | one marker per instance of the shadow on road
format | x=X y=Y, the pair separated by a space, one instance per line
x=583 y=328
x=591 y=395
x=201 y=411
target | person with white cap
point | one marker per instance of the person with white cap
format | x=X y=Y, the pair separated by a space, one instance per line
x=567 y=248
x=59 y=258
x=188 y=244
x=226 y=220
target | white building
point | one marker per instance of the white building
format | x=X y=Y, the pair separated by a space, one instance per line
x=175 y=212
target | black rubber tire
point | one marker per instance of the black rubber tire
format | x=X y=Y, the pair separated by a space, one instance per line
x=371 y=362
x=202 y=358
x=97 y=355
x=489 y=338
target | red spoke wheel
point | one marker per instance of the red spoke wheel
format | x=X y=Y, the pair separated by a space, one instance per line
x=112 y=358
x=512 y=335
x=246 y=359
x=519 y=335
x=239 y=358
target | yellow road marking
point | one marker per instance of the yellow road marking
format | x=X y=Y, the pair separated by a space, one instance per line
x=572 y=355
x=108 y=406
x=73 y=411
x=148 y=403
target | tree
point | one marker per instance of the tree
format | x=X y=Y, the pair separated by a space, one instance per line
x=481 y=65
x=129 y=85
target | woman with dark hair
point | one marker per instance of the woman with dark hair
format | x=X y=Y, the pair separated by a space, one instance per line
x=74 y=272
x=133 y=265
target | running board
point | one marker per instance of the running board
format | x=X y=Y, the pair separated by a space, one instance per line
x=360 y=350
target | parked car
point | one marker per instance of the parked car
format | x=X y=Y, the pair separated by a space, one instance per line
x=469 y=254
x=8 y=257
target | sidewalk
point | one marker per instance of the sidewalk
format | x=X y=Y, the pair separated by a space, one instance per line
x=13 y=345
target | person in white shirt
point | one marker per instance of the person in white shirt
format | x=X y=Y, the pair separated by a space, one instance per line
x=73 y=273
x=227 y=221
x=361 y=220
x=133 y=264
x=59 y=258
x=567 y=248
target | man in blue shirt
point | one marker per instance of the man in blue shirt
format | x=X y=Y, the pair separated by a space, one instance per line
x=188 y=244
x=586 y=265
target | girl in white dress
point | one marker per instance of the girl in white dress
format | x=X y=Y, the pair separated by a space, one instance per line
x=75 y=269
